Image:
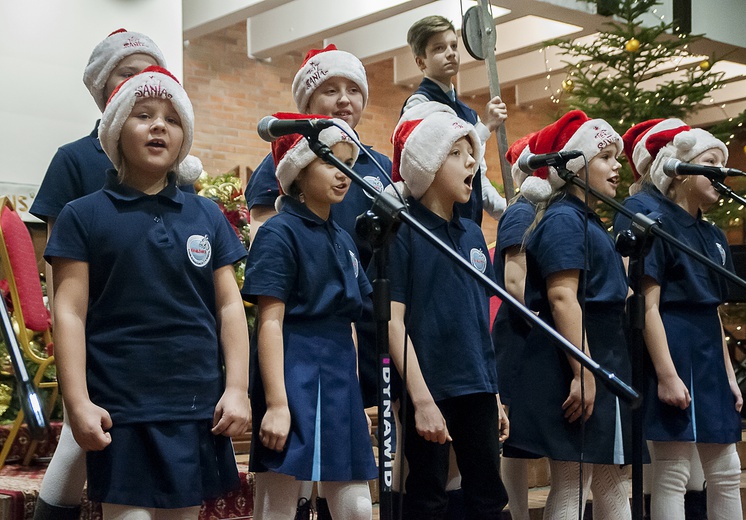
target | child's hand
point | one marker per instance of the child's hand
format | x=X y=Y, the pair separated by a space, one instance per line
x=232 y=414
x=575 y=406
x=275 y=427
x=673 y=392
x=495 y=113
x=89 y=424
x=430 y=423
x=503 y=422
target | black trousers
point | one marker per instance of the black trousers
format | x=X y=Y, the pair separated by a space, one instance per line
x=472 y=421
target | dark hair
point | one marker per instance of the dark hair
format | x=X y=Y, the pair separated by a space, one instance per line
x=421 y=31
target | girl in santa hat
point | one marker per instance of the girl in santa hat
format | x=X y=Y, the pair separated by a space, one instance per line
x=151 y=342
x=693 y=401
x=305 y=274
x=557 y=410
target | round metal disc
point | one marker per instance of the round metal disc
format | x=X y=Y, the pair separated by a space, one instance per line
x=471 y=32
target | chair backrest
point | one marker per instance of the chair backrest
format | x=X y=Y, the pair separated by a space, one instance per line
x=18 y=259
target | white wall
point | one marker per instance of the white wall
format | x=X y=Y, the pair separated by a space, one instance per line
x=44 y=48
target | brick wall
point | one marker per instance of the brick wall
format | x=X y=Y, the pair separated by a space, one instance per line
x=232 y=92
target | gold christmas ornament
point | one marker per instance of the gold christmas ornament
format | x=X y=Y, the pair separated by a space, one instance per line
x=568 y=85
x=632 y=45
x=705 y=65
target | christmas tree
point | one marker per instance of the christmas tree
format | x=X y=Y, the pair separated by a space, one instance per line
x=631 y=72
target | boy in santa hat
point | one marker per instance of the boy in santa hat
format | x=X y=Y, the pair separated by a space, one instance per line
x=557 y=410
x=304 y=273
x=451 y=376
x=77 y=169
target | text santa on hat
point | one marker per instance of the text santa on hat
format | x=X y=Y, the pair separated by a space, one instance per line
x=322 y=64
x=107 y=55
x=422 y=140
x=673 y=139
x=291 y=153
x=152 y=82
x=573 y=131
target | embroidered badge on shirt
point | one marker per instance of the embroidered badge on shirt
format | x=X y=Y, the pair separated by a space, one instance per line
x=199 y=250
x=375 y=182
x=355 y=264
x=722 y=252
x=478 y=259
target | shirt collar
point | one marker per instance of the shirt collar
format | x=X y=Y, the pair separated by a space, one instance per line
x=290 y=205
x=94 y=136
x=678 y=213
x=578 y=204
x=123 y=192
x=429 y=219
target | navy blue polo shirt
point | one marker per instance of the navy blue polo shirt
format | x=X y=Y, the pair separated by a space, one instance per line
x=511 y=231
x=309 y=263
x=684 y=280
x=447 y=311
x=557 y=244
x=263 y=190
x=77 y=169
x=152 y=347
x=647 y=202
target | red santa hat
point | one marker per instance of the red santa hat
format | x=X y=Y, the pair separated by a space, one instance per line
x=677 y=141
x=573 y=131
x=292 y=153
x=155 y=82
x=107 y=55
x=515 y=152
x=322 y=64
x=422 y=139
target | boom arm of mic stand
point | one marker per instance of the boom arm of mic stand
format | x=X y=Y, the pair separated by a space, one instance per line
x=398 y=211
x=726 y=191
x=644 y=222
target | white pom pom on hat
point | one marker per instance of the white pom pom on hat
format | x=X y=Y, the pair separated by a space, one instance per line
x=152 y=82
x=107 y=55
x=321 y=64
x=422 y=140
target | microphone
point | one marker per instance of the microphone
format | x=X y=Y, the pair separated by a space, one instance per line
x=531 y=162
x=271 y=128
x=673 y=167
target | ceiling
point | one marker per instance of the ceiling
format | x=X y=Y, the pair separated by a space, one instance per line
x=375 y=30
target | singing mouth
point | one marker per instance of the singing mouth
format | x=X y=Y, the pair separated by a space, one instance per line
x=468 y=180
x=157 y=143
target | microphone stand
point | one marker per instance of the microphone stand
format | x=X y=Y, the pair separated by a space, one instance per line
x=30 y=403
x=636 y=243
x=725 y=190
x=390 y=211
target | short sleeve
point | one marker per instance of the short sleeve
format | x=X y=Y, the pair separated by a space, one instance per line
x=61 y=185
x=557 y=244
x=229 y=248
x=262 y=189
x=69 y=238
x=514 y=225
x=271 y=268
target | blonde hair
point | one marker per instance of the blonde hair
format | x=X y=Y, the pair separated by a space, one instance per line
x=421 y=31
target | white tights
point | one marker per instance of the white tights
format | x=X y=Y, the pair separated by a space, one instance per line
x=120 y=512
x=514 y=472
x=608 y=483
x=722 y=470
x=277 y=497
x=66 y=475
